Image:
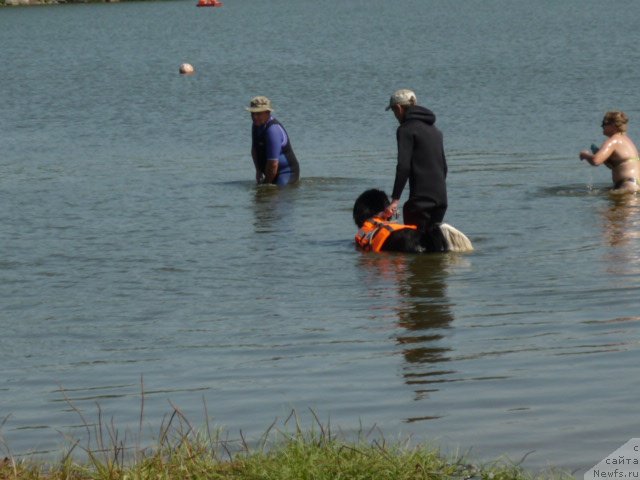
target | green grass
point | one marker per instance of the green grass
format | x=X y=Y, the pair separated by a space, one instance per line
x=180 y=452
x=284 y=452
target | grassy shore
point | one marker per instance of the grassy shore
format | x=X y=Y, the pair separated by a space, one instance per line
x=181 y=452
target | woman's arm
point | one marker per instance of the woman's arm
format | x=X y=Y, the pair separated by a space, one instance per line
x=601 y=156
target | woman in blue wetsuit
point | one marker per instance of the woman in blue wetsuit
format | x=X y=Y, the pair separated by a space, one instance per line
x=273 y=157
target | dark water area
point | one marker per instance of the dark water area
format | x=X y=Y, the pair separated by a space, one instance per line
x=137 y=253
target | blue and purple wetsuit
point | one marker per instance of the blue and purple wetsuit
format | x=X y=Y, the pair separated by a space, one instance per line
x=271 y=141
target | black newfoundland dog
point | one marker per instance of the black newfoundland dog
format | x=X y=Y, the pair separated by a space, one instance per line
x=378 y=234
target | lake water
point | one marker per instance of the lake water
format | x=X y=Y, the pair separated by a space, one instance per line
x=137 y=253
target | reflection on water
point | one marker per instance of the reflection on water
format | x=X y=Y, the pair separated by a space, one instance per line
x=621 y=231
x=424 y=313
x=421 y=310
x=271 y=207
x=622 y=219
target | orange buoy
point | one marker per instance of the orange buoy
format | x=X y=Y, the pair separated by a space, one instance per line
x=209 y=3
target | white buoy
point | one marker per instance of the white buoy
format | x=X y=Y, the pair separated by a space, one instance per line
x=187 y=69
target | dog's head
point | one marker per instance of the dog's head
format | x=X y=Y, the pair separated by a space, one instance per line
x=368 y=204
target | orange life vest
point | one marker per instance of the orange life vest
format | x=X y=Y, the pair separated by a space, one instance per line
x=375 y=231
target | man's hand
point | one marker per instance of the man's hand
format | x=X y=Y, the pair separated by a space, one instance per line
x=271 y=170
x=391 y=210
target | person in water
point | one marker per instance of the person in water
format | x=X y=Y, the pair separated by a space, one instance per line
x=421 y=162
x=271 y=150
x=618 y=153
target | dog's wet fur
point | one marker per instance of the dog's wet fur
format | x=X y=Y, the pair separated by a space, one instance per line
x=441 y=238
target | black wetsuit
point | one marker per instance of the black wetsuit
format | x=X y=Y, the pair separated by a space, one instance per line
x=422 y=162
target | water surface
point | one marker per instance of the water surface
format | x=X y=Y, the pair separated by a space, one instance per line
x=137 y=254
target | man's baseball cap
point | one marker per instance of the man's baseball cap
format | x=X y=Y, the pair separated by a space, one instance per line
x=402 y=97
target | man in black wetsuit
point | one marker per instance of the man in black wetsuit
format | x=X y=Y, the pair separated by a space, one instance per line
x=421 y=161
